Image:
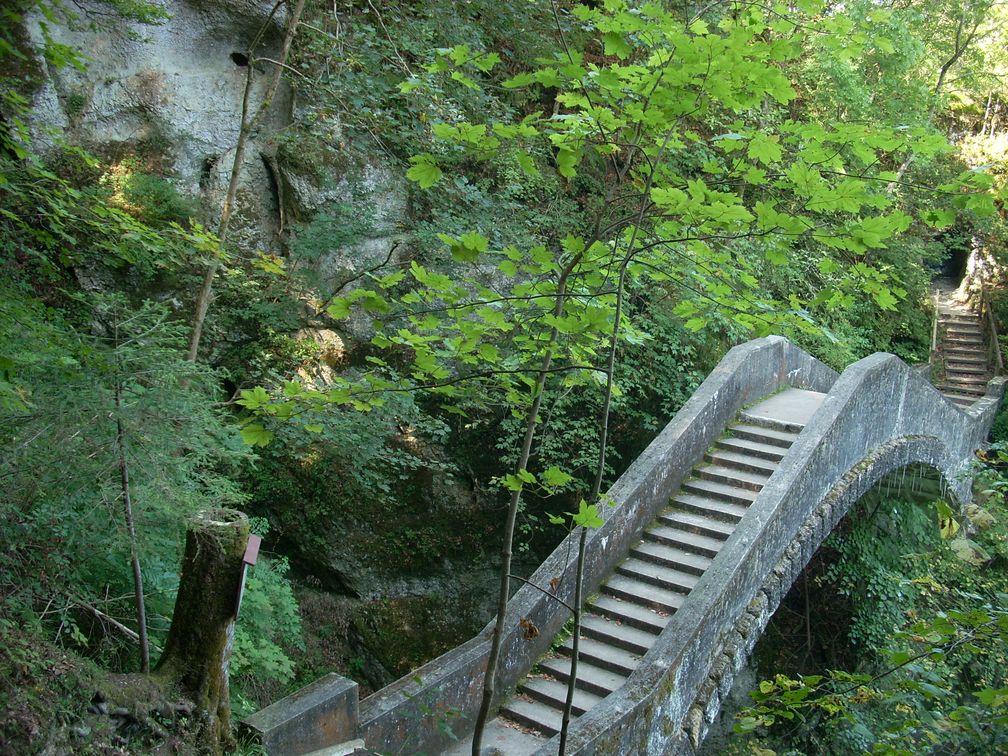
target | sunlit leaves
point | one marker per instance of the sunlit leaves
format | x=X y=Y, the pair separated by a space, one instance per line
x=254 y=434
x=424 y=171
x=765 y=148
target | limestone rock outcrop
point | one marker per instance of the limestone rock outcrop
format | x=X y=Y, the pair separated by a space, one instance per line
x=171 y=93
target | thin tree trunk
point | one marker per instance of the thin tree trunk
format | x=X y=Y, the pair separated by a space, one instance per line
x=490 y=676
x=247 y=124
x=138 y=589
x=958 y=49
x=596 y=490
x=575 y=640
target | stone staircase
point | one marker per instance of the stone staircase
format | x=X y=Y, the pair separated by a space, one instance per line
x=964 y=368
x=677 y=612
x=624 y=620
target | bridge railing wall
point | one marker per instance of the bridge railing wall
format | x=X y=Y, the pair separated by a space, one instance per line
x=879 y=415
x=411 y=714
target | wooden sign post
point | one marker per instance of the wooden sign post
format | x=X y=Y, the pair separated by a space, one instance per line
x=248 y=560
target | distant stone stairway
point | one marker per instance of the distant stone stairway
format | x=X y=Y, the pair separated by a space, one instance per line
x=635 y=603
x=964 y=368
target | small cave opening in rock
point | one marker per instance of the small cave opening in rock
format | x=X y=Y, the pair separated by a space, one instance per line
x=240 y=59
x=207 y=170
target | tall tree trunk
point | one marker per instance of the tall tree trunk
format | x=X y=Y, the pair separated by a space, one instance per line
x=531 y=423
x=198 y=649
x=247 y=124
x=124 y=482
x=575 y=640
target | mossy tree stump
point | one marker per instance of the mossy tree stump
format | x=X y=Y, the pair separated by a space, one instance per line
x=198 y=648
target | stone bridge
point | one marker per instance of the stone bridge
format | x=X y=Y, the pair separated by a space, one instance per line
x=728 y=520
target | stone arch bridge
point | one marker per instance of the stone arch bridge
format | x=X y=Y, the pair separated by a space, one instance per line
x=711 y=525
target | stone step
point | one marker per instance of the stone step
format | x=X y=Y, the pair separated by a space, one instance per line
x=639 y=592
x=670 y=556
x=702 y=544
x=706 y=506
x=553 y=693
x=957 y=318
x=964 y=342
x=967 y=367
x=594 y=679
x=602 y=655
x=964 y=379
x=708 y=489
x=762 y=434
x=970 y=327
x=629 y=614
x=533 y=714
x=962 y=401
x=965 y=356
x=955 y=373
x=694 y=523
x=623 y=635
x=658 y=575
x=963 y=324
x=962 y=390
x=731 y=476
x=734 y=444
x=788 y=410
x=739 y=461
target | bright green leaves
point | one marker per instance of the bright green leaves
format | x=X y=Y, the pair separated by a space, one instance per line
x=847 y=196
x=615 y=44
x=254 y=434
x=518 y=480
x=555 y=478
x=424 y=171
x=873 y=232
x=253 y=399
x=939 y=218
x=587 y=516
x=765 y=148
x=566 y=161
x=466 y=248
x=771 y=220
x=460 y=63
x=550 y=481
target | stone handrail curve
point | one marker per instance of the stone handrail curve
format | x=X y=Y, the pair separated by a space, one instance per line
x=410 y=709
x=879 y=416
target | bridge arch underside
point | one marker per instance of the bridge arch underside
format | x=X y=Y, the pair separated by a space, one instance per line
x=671 y=704
x=916 y=485
x=914 y=454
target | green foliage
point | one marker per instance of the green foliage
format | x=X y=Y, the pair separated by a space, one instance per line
x=931 y=632
x=65 y=533
x=268 y=627
x=42 y=687
x=999 y=428
x=868 y=568
x=153 y=199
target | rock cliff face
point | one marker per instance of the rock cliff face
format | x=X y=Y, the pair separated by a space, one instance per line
x=169 y=96
x=171 y=93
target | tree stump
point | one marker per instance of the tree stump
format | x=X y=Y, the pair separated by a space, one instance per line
x=201 y=636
